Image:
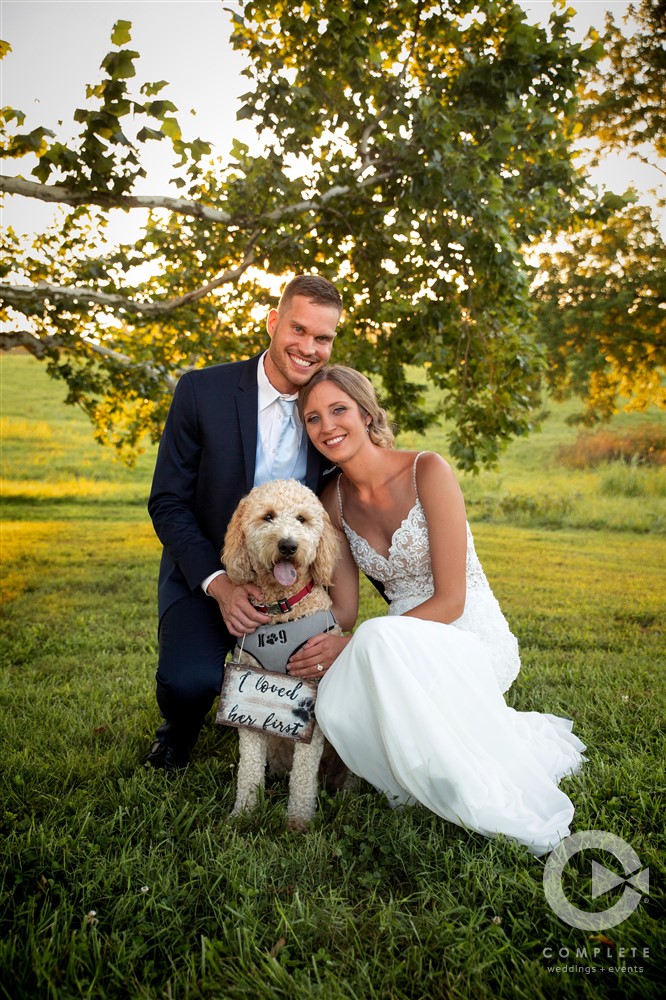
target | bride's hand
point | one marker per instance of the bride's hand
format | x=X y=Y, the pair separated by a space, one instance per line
x=314 y=658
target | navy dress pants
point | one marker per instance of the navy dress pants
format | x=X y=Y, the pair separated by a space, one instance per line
x=193 y=645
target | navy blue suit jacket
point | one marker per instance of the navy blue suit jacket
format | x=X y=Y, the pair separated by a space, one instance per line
x=205 y=464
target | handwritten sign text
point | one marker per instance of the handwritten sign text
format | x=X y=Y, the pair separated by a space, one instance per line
x=270 y=702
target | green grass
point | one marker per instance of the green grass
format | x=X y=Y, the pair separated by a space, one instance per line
x=532 y=487
x=119 y=883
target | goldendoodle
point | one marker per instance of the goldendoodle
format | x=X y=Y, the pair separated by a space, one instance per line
x=281 y=539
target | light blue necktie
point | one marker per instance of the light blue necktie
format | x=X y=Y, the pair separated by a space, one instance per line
x=286 y=451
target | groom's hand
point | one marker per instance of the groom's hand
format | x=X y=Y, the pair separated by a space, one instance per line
x=240 y=615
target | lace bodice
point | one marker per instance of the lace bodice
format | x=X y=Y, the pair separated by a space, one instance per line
x=407 y=579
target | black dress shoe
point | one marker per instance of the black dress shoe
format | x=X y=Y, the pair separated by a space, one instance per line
x=166 y=757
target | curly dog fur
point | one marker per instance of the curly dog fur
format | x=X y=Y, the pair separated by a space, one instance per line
x=281 y=521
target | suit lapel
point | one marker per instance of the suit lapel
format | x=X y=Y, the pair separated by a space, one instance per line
x=313 y=467
x=318 y=470
x=246 y=407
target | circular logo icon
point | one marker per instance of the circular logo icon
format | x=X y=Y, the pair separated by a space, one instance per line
x=603 y=880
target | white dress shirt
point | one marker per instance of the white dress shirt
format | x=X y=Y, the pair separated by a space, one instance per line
x=270 y=423
x=269 y=427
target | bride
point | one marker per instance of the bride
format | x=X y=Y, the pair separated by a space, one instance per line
x=413 y=702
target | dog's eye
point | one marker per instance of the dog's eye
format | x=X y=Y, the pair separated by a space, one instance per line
x=268 y=517
x=303 y=520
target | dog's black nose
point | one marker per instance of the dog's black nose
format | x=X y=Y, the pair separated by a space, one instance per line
x=287 y=546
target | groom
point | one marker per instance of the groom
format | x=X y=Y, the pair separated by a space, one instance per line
x=230 y=427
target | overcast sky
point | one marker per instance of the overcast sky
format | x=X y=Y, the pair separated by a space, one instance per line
x=57 y=47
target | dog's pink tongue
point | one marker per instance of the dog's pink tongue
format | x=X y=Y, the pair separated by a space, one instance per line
x=284 y=573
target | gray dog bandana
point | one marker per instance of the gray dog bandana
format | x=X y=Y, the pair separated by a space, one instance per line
x=272 y=645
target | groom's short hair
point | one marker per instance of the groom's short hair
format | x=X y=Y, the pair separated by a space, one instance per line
x=314 y=288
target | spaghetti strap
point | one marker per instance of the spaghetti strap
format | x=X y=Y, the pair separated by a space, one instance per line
x=416 y=492
x=337 y=490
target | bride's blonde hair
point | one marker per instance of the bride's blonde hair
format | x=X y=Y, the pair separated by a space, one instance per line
x=360 y=389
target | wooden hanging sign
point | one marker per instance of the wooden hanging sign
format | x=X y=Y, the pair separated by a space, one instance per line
x=270 y=702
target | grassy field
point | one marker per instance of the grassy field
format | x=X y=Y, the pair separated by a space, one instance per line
x=120 y=883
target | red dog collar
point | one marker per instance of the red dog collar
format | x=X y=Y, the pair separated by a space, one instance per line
x=285 y=604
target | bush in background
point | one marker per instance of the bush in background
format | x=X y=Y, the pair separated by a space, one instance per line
x=644 y=445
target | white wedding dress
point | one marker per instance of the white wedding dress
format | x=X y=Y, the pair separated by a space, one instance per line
x=416 y=708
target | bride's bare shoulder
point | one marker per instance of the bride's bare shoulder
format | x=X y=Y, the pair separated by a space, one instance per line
x=430 y=463
x=435 y=479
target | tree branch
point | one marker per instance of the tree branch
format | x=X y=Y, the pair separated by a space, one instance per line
x=80 y=295
x=17 y=295
x=37 y=346
x=642 y=158
x=65 y=196
x=314 y=203
x=158 y=374
x=41 y=346
x=372 y=126
x=415 y=35
x=42 y=290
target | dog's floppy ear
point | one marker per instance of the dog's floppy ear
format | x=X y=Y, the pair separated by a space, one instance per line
x=327 y=554
x=234 y=554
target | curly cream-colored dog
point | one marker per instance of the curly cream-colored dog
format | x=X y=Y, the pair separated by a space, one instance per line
x=281 y=539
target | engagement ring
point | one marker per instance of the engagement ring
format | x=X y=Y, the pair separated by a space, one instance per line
x=320 y=666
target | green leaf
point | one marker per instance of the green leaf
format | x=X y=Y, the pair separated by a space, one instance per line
x=150 y=89
x=239 y=150
x=616 y=202
x=171 y=128
x=199 y=148
x=35 y=140
x=13 y=115
x=235 y=15
x=121 y=32
x=120 y=108
x=96 y=90
x=158 y=109
x=120 y=65
x=42 y=171
x=149 y=133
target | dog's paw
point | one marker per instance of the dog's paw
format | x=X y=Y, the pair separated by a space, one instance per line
x=296 y=824
x=244 y=805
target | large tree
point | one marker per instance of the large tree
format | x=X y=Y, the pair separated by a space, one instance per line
x=623 y=103
x=602 y=315
x=602 y=297
x=409 y=151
